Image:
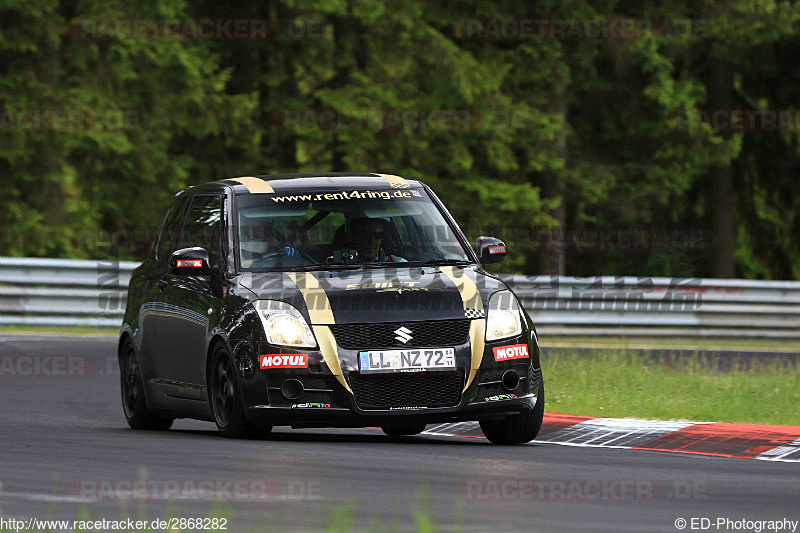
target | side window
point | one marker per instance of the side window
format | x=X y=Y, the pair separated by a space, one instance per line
x=170 y=229
x=203 y=226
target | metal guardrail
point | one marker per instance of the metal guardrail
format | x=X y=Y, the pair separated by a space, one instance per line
x=643 y=306
x=63 y=292
x=66 y=292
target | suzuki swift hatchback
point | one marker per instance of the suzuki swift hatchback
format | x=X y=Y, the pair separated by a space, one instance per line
x=343 y=300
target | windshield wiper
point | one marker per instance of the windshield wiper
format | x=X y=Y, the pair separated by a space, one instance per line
x=435 y=262
x=384 y=265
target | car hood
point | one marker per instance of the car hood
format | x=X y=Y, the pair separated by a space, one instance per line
x=381 y=294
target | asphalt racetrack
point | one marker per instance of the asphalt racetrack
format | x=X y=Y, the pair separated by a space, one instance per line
x=66 y=452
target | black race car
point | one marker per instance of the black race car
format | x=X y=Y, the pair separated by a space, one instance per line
x=344 y=300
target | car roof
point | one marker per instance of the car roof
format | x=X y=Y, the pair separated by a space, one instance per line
x=305 y=182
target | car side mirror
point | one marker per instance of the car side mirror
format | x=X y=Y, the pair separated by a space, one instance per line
x=490 y=250
x=190 y=262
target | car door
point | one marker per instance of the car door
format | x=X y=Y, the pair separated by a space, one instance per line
x=194 y=300
x=155 y=278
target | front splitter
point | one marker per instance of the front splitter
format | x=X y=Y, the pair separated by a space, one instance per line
x=333 y=416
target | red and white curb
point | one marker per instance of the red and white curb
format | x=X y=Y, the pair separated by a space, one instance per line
x=740 y=441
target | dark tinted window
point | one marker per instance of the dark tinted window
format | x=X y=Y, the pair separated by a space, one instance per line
x=202 y=226
x=286 y=231
x=170 y=229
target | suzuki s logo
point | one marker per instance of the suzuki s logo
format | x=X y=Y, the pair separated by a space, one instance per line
x=403 y=334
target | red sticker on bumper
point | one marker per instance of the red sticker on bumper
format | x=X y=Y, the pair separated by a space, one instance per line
x=295 y=360
x=512 y=351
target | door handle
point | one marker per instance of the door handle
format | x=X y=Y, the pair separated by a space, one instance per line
x=162 y=284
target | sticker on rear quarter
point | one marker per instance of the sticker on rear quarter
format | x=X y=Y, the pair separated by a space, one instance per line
x=512 y=351
x=296 y=360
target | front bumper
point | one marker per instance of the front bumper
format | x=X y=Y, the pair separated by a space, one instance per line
x=327 y=403
x=334 y=416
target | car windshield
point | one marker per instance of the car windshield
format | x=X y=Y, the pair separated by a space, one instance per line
x=347 y=229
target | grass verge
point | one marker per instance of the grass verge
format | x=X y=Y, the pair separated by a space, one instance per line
x=743 y=344
x=618 y=384
x=56 y=330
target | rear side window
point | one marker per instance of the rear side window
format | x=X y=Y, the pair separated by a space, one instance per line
x=203 y=226
x=170 y=229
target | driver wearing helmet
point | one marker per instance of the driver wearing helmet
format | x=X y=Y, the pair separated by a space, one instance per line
x=257 y=241
x=367 y=238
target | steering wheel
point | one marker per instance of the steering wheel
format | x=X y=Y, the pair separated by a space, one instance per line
x=264 y=258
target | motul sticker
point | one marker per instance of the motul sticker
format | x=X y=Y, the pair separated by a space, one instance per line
x=497 y=249
x=297 y=360
x=513 y=351
x=195 y=263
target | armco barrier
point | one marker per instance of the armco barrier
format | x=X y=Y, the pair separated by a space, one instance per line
x=68 y=292
x=63 y=292
x=643 y=306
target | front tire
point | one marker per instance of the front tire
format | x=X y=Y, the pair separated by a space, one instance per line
x=225 y=399
x=134 y=403
x=516 y=429
x=403 y=430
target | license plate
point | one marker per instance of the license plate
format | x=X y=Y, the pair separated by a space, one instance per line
x=375 y=361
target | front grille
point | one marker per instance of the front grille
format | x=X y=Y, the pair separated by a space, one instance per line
x=382 y=334
x=419 y=390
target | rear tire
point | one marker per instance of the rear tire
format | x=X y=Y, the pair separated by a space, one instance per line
x=516 y=429
x=134 y=404
x=225 y=399
x=402 y=430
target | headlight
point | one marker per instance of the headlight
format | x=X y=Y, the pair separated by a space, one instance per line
x=504 y=318
x=284 y=325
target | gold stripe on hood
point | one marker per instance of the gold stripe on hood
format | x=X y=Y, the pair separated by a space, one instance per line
x=321 y=314
x=319 y=307
x=477 y=333
x=470 y=295
x=330 y=352
x=473 y=309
